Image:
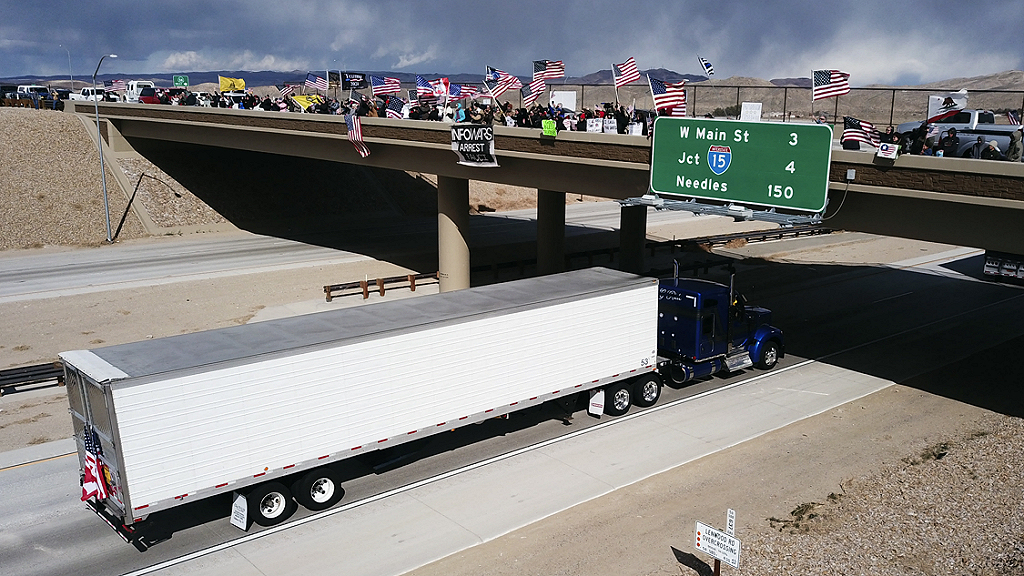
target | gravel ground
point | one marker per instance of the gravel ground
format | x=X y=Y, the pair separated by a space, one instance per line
x=900 y=482
x=51 y=188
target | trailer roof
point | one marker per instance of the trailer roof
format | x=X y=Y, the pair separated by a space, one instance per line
x=151 y=357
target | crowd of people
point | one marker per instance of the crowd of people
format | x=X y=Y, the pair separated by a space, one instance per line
x=947 y=144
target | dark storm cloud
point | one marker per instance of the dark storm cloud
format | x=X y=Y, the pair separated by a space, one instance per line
x=877 y=42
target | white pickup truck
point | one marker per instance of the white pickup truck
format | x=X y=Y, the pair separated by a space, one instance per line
x=970 y=124
x=87 y=94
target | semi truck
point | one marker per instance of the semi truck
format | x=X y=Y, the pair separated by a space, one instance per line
x=264 y=409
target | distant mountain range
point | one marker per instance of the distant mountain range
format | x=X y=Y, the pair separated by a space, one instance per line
x=1008 y=80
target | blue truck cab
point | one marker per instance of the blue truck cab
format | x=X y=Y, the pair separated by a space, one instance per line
x=704 y=327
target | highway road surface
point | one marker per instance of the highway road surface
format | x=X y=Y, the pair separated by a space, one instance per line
x=850 y=330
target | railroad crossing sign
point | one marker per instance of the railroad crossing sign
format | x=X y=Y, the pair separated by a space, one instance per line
x=774 y=164
x=180 y=81
x=718 y=545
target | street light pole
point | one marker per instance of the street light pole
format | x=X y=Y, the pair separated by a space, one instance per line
x=72 y=76
x=99 y=143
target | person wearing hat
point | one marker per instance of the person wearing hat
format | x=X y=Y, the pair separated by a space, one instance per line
x=992 y=151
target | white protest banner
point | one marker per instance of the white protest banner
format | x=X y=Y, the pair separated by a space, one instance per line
x=610 y=126
x=750 y=112
x=474 y=144
x=594 y=125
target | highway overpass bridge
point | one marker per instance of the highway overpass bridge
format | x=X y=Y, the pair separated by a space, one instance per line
x=950 y=200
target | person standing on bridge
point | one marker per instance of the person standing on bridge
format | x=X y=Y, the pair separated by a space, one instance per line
x=1016 y=147
x=978 y=147
x=950 y=144
x=992 y=151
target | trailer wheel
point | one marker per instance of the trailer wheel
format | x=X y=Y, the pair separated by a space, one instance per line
x=618 y=399
x=318 y=490
x=270 y=503
x=769 y=355
x=646 y=390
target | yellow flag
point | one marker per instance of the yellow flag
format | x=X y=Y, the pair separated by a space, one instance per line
x=305 y=100
x=231 y=84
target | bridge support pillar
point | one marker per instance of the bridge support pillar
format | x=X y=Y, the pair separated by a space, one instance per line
x=452 y=233
x=550 y=232
x=632 y=238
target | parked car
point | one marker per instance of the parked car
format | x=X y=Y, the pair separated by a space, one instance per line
x=148 y=95
x=970 y=125
x=134 y=89
x=87 y=94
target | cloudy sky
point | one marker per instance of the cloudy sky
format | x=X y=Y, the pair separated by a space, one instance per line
x=890 y=42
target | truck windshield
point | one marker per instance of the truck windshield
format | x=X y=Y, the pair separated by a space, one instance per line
x=986 y=118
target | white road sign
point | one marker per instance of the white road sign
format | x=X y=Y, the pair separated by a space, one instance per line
x=717 y=544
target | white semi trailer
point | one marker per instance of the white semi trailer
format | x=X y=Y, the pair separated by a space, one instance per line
x=263 y=409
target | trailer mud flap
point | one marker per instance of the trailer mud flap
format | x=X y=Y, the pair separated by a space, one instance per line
x=596 y=406
x=240 y=511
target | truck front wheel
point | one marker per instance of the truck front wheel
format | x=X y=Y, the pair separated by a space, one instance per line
x=618 y=399
x=769 y=355
x=318 y=490
x=270 y=503
x=646 y=390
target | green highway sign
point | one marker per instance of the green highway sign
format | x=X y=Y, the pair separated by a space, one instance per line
x=180 y=81
x=772 y=164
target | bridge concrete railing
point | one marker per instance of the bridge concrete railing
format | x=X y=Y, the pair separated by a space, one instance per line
x=959 y=201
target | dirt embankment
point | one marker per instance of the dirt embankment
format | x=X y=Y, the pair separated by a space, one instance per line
x=53 y=195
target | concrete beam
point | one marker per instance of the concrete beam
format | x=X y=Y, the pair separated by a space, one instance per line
x=632 y=238
x=452 y=233
x=550 y=232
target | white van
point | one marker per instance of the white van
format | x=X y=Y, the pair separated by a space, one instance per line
x=134 y=88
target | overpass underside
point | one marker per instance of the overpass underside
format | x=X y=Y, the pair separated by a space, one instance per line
x=948 y=200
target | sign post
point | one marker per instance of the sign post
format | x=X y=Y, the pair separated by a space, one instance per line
x=771 y=164
x=180 y=81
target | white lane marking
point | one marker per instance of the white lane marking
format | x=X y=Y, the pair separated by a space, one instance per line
x=804 y=391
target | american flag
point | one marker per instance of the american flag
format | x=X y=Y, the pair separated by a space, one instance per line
x=860 y=131
x=505 y=83
x=114 y=85
x=548 y=69
x=625 y=73
x=532 y=91
x=423 y=88
x=709 y=70
x=355 y=134
x=316 y=82
x=828 y=83
x=458 y=92
x=669 y=95
x=1012 y=117
x=92 y=483
x=385 y=85
x=493 y=74
x=395 y=106
x=286 y=89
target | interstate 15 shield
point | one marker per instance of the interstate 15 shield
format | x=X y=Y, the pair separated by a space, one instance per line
x=773 y=164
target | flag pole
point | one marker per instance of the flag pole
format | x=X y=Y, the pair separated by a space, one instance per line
x=616 y=85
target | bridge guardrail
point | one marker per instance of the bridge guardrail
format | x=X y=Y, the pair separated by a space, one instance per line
x=50 y=374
